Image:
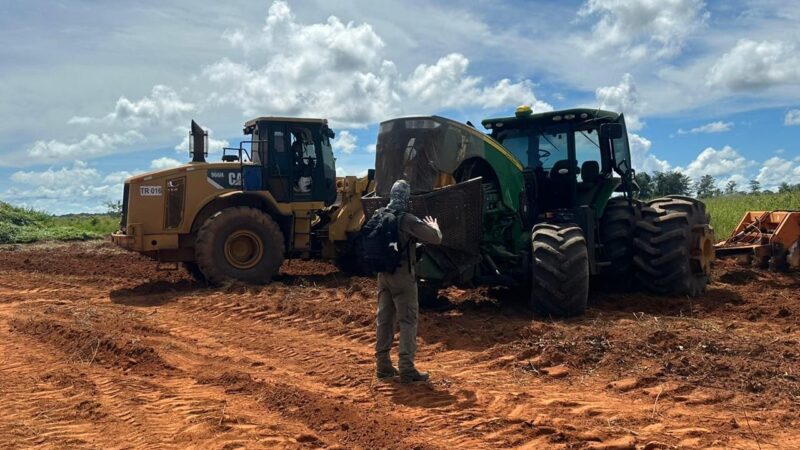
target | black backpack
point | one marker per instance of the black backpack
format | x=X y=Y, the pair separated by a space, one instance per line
x=382 y=251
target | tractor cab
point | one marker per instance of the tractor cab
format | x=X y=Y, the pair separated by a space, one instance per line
x=571 y=157
x=292 y=158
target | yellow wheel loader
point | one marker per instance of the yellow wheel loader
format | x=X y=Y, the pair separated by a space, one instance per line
x=275 y=196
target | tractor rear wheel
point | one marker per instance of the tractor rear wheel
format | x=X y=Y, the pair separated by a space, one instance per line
x=239 y=243
x=560 y=270
x=351 y=258
x=193 y=269
x=674 y=246
x=617 y=227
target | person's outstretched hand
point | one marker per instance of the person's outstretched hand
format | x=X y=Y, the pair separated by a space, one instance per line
x=431 y=222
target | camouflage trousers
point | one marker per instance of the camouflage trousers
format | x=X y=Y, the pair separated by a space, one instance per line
x=397 y=304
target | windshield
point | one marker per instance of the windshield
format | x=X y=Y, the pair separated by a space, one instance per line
x=586 y=147
x=552 y=148
x=516 y=141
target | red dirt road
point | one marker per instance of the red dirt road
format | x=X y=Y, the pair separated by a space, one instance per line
x=99 y=350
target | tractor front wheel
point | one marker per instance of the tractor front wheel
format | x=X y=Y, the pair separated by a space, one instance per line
x=559 y=270
x=239 y=243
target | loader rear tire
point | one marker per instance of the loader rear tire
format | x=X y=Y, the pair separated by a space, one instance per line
x=239 y=244
x=559 y=270
x=617 y=227
x=674 y=246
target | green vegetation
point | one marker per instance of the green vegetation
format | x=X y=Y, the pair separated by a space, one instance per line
x=726 y=210
x=22 y=225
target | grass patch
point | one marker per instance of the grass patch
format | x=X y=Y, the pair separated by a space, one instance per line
x=727 y=210
x=24 y=225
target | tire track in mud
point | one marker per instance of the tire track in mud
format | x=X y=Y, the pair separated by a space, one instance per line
x=291 y=366
x=342 y=367
x=161 y=408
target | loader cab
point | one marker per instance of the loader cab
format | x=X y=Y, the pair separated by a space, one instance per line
x=574 y=158
x=293 y=157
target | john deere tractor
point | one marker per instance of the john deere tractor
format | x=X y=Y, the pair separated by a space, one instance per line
x=545 y=202
x=275 y=196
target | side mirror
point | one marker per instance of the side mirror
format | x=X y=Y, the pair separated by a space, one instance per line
x=610 y=131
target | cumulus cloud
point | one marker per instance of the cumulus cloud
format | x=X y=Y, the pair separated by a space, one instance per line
x=792 y=117
x=78 y=187
x=338 y=70
x=371 y=148
x=777 y=170
x=640 y=29
x=162 y=107
x=91 y=146
x=753 y=65
x=344 y=142
x=623 y=98
x=214 y=145
x=164 y=163
x=722 y=164
x=642 y=159
x=713 y=127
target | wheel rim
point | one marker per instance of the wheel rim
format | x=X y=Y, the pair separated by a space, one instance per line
x=703 y=253
x=243 y=249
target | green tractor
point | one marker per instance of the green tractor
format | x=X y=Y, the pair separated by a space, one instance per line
x=545 y=202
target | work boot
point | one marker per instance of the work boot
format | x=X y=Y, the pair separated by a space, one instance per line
x=416 y=375
x=386 y=372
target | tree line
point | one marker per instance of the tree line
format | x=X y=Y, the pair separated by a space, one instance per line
x=660 y=184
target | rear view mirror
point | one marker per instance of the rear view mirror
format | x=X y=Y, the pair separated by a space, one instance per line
x=610 y=131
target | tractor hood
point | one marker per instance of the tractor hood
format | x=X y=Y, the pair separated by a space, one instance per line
x=419 y=149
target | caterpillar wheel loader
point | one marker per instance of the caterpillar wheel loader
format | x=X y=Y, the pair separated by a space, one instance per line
x=544 y=202
x=275 y=196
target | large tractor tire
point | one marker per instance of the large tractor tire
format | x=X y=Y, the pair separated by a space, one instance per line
x=193 y=269
x=560 y=270
x=674 y=246
x=241 y=244
x=617 y=228
x=351 y=259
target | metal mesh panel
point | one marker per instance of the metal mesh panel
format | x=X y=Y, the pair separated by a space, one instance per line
x=458 y=208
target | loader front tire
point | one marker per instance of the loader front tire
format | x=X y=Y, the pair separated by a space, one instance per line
x=559 y=270
x=239 y=244
x=674 y=246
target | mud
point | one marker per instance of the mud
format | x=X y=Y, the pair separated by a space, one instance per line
x=99 y=348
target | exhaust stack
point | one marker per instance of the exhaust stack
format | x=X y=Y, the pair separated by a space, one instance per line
x=199 y=143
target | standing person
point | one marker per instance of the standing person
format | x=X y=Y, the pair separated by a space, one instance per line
x=397 y=290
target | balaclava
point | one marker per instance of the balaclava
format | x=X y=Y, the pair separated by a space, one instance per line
x=399 y=196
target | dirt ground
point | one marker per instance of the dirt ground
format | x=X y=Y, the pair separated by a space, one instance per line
x=98 y=349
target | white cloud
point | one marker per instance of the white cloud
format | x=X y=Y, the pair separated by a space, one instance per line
x=713 y=127
x=344 y=142
x=792 y=117
x=214 y=145
x=371 y=148
x=91 y=146
x=78 y=187
x=446 y=85
x=777 y=170
x=640 y=29
x=339 y=71
x=642 y=159
x=162 y=107
x=721 y=164
x=753 y=65
x=623 y=98
x=164 y=163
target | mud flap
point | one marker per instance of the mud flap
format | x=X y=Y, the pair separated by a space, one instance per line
x=459 y=210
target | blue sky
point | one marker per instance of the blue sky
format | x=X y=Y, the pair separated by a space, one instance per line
x=91 y=94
